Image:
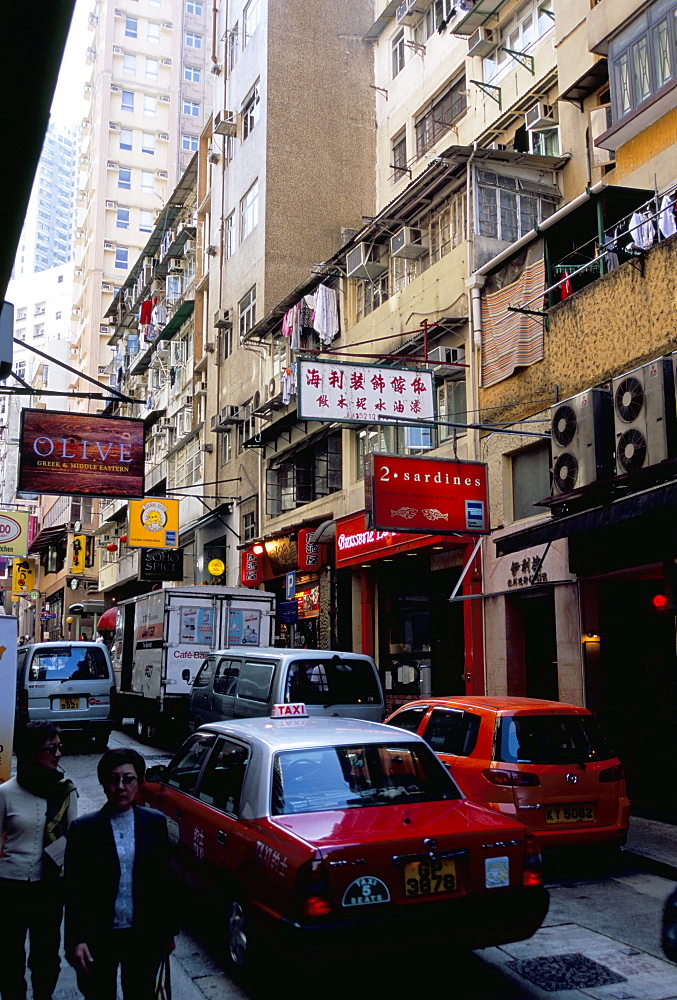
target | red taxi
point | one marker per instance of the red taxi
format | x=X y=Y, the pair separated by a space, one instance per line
x=332 y=833
x=542 y=762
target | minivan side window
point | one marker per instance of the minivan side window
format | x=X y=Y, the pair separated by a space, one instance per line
x=333 y=680
x=205 y=673
x=221 y=784
x=227 y=674
x=184 y=770
x=410 y=718
x=452 y=732
x=255 y=680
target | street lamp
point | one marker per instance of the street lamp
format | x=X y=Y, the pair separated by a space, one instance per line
x=69 y=622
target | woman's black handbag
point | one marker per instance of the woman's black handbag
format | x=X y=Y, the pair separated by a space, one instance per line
x=669 y=935
x=163 y=985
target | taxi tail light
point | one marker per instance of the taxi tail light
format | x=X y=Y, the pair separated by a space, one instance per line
x=532 y=869
x=497 y=776
x=615 y=773
x=313 y=893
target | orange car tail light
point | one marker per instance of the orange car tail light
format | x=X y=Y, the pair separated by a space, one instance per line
x=532 y=871
x=499 y=776
x=313 y=893
x=615 y=773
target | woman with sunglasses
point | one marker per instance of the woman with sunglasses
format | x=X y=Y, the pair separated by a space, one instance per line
x=119 y=899
x=36 y=808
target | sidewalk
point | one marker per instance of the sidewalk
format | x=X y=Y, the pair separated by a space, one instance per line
x=653 y=846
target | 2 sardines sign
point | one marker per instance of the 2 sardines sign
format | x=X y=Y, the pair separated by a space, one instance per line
x=82 y=454
x=439 y=496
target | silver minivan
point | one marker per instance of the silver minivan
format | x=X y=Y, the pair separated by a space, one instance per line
x=68 y=683
x=242 y=682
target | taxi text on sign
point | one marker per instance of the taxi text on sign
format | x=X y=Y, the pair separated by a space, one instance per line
x=440 y=496
x=330 y=390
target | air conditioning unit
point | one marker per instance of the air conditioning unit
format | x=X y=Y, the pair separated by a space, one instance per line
x=497 y=145
x=481 y=42
x=223 y=320
x=165 y=423
x=176 y=265
x=110 y=204
x=225 y=123
x=166 y=62
x=407 y=242
x=200 y=388
x=164 y=136
x=582 y=440
x=113 y=126
x=189 y=246
x=213 y=156
x=364 y=261
x=208 y=448
x=446 y=359
x=231 y=415
x=541 y=116
x=409 y=11
x=117 y=51
x=212 y=250
x=645 y=417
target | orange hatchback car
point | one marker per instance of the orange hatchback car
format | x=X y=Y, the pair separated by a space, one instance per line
x=544 y=763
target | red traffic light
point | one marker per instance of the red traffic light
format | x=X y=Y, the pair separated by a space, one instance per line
x=659 y=601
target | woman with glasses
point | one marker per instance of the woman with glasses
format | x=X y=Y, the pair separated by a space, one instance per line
x=36 y=808
x=119 y=903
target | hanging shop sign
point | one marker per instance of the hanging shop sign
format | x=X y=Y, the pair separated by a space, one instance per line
x=80 y=454
x=154 y=523
x=13 y=533
x=330 y=390
x=23 y=576
x=251 y=573
x=308 y=601
x=308 y=550
x=161 y=564
x=78 y=553
x=216 y=567
x=355 y=543
x=440 y=496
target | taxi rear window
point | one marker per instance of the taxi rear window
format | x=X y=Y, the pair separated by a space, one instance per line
x=355 y=777
x=550 y=739
x=68 y=663
x=332 y=680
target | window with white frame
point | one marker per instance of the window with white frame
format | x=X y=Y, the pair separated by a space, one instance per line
x=153 y=32
x=544 y=142
x=125 y=178
x=185 y=466
x=129 y=64
x=436 y=119
x=434 y=19
x=147 y=181
x=509 y=207
x=227 y=446
x=643 y=58
x=189 y=142
x=149 y=106
x=226 y=343
x=232 y=47
x=517 y=35
x=126 y=138
x=397 y=53
x=250 y=20
x=192 y=74
x=122 y=218
x=247 y=428
x=398 y=156
x=230 y=236
x=148 y=142
x=127 y=100
x=250 y=111
x=191 y=108
x=131 y=27
x=249 y=211
x=249 y=526
x=246 y=310
x=193 y=7
x=20 y=369
x=122 y=257
x=145 y=221
x=400 y=440
x=193 y=40
x=451 y=404
x=152 y=68
x=369 y=295
x=39 y=330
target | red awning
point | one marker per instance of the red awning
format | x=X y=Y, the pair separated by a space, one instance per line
x=107 y=619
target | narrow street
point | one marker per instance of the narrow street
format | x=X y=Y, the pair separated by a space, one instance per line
x=600 y=940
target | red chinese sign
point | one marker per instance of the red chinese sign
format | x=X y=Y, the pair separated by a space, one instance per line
x=329 y=390
x=308 y=551
x=436 y=495
x=251 y=573
x=356 y=543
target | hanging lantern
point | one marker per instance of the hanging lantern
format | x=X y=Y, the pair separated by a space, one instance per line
x=111 y=547
x=123 y=538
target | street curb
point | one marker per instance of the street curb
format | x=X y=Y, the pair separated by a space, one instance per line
x=651 y=865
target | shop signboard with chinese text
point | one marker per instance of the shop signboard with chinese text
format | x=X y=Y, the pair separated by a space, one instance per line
x=251 y=575
x=330 y=390
x=437 y=495
x=82 y=454
x=23 y=576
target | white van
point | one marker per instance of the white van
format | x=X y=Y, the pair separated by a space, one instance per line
x=242 y=682
x=69 y=683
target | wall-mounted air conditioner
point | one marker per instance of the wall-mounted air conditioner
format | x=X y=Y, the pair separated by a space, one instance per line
x=497 y=145
x=645 y=418
x=582 y=440
x=111 y=204
x=229 y=415
x=208 y=448
x=409 y=11
x=176 y=265
x=225 y=123
x=364 y=261
x=541 y=116
x=223 y=320
x=407 y=242
x=446 y=361
x=481 y=42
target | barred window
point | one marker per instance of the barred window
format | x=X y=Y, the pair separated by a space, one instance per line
x=433 y=123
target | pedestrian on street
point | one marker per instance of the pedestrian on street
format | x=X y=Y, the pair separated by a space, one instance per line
x=36 y=808
x=119 y=899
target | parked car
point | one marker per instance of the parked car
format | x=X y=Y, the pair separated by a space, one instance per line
x=316 y=837
x=245 y=682
x=542 y=762
x=68 y=683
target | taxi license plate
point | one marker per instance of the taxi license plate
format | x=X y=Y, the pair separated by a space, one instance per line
x=69 y=703
x=429 y=877
x=570 y=814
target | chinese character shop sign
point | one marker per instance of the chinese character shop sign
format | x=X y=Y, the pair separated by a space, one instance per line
x=437 y=495
x=329 y=390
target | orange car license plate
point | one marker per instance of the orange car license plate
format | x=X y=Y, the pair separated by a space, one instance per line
x=570 y=814
x=69 y=703
x=429 y=877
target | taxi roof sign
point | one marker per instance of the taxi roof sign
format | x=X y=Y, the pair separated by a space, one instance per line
x=294 y=710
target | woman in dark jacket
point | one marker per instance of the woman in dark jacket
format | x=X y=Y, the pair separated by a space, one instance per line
x=119 y=901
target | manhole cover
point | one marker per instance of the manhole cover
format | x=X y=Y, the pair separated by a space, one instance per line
x=565 y=972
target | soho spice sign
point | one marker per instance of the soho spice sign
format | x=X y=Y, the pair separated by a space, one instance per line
x=330 y=390
x=81 y=454
x=441 y=496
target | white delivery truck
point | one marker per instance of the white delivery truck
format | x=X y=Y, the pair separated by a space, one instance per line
x=161 y=639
